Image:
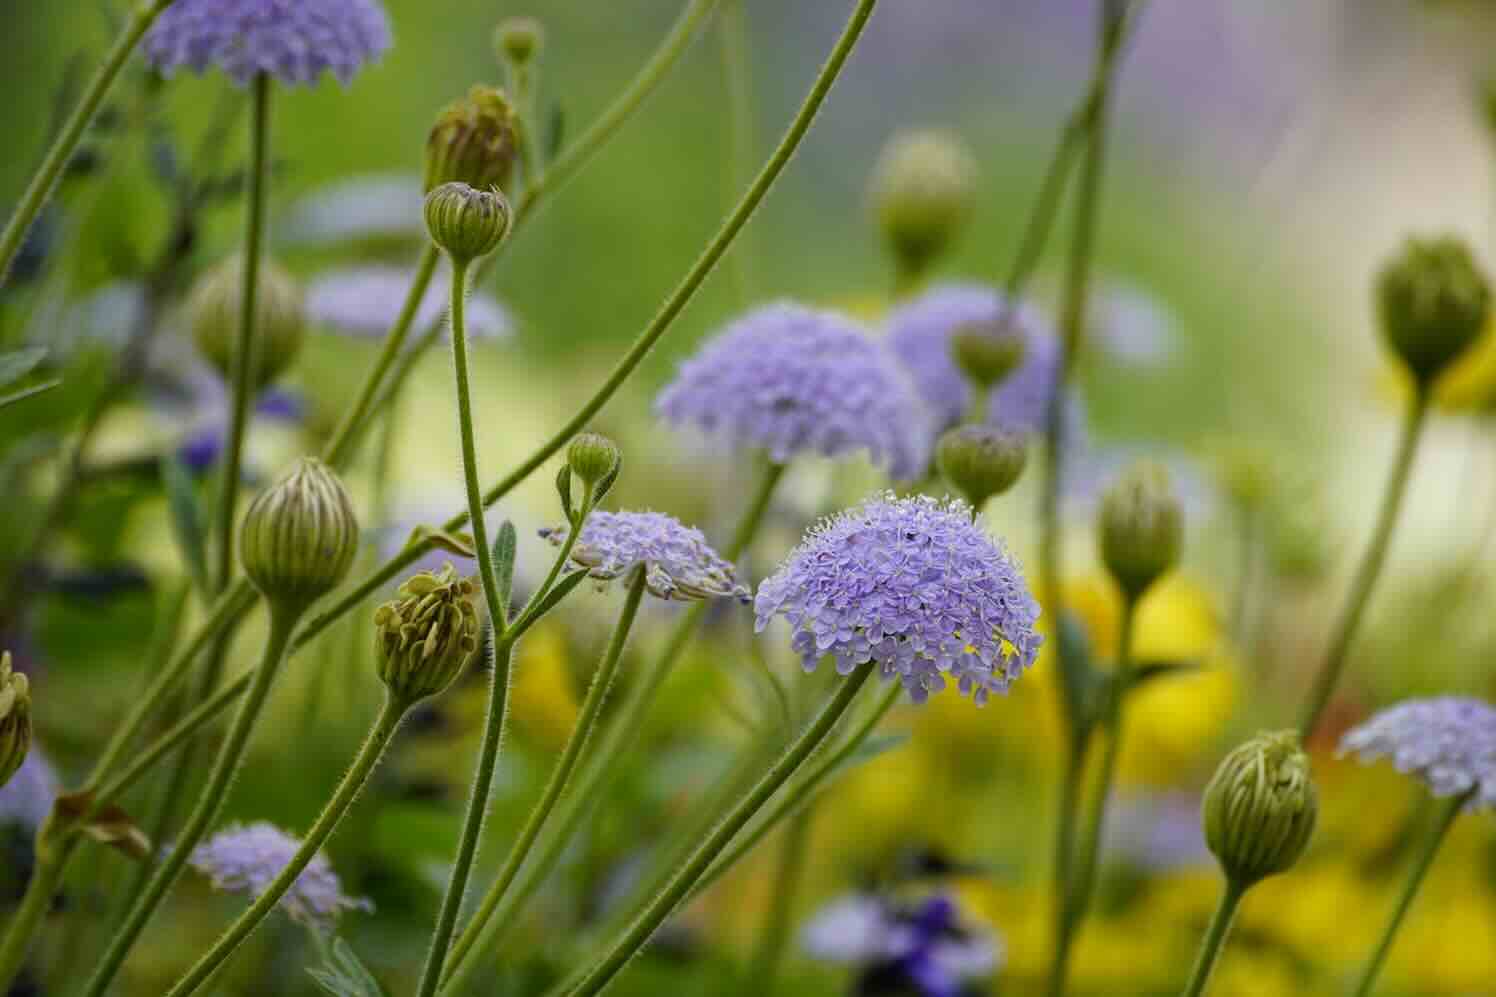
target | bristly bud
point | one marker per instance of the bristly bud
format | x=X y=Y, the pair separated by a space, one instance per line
x=466 y=222
x=981 y=461
x=593 y=457
x=427 y=634
x=1259 y=808
x=280 y=319
x=518 y=39
x=475 y=141
x=1432 y=300
x=299 y=536
x=987 y=355
x=1141 y=528
x=15 y=719
x=921 y=194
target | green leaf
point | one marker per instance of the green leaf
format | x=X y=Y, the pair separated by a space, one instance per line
x=505 y=545
x=16 y=364
x=1147 y=671
x=25 y=393
x=460 y=544
x=553 y=598
x=186 y=520
x=555 y=131
x=605 y=485
x=343 y=975
x=1082 y=683
x=563 y=488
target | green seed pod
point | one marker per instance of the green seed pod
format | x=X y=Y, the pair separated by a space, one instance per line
x=592 y=457
x=1432 y=300
x=475 y=141
x=280 y=319
x=465 y=222
x=1141 y=528
x=986 y=355
x=15 y=719
x=981 y=461
x=518 y=39
x=427 y=634
x=299 y=537
x=1259 y=808
x=921 y=194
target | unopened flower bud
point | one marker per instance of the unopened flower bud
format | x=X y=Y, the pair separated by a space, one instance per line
x=921 y=193
x=15 y=719
x=466 y=222
x=1141 y=528
x=279 y=326
x=1432 y=301
x=592 y=457
x=300 y=535
x=981 y=461
x=474 y=141
x=986 y=355
x=427 y=634
x=518 y=39
x=1260 y=807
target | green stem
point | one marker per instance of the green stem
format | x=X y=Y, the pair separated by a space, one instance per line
x=633 y=938
x=592 y=705
x=283 y=619
x=732 y=32
x=245 y=355
x=1064 y=844
x=40 y=189
x=1046 y=205
x=46 y=875
x=1078 y=896
x=327 y=821
x=493 y=734
x=1430 y=847
x=1215 y=938
x=494 y=919
x=788 y=871
x=1371 y=562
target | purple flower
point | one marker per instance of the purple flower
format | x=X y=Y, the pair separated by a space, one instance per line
x=247 y=858
x=294 y=41
x=26 y=799
x=791 y=380
x=366 y=300
x=678 y=563
x=201 y=447
x=925 y=947
x=1449 y=743
x=1159 y=833
x=913 y=584
x=377 y=208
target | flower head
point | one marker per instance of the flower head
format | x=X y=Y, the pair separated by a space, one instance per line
x=427 y=634
x=913 y=584
x=364 y=300
x=1448 y=743
x=247 y=858
x=298 y=537
x=791 y=380
x=678 y=563
x=1260 y=807
x=295 y=41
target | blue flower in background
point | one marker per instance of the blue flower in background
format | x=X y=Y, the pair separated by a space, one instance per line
x=1448 y=743
x=364 y=301
x=922 y=949
x=202 y=446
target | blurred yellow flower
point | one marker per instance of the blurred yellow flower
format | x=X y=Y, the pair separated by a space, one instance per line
x=543 y=698
x=1467 y=386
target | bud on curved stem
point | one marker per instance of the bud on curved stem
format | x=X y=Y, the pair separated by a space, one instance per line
x=465 y=222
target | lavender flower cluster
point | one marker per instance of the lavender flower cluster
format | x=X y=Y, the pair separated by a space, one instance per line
x=247 y=858
x=1448 y=743
x=678 y=562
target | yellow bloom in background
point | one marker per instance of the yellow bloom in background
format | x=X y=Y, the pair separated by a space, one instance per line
x=543 y=698
x=1469 y=385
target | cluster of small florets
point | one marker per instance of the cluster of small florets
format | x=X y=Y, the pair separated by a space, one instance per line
x=677 y=560
x=1448 y=743
x=791 y=380
x=247 y=858
x=913 y=584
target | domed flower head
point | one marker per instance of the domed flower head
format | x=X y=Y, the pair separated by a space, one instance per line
x=792 y=380
x=295 y=41
x=247 y=858
x=678 y=562
x=921 y=332
x=913 y=584
x=1448 y=743
x=364 y=301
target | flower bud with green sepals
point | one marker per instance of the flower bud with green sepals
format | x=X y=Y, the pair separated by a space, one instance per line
x=594 y=459
x=1141 y=527
x=987 y=355
x=15 y=719
x=1260 y=807
x=427 y=634
x=1432 y=301
x=981 y=461
x=921 y=194
x=475 y=141
x=299 y=537
x=214 y=308
x=518 y=39
x=466 y=223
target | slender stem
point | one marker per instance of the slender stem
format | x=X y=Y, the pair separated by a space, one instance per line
x=40 y=189
x=1446 y=815
x=1249 y=537
x=327 y=821
x=494 y=919
x=788 y=871
x=246 y=357
x=282 y=621
x=46 y=877
x=1371 y=562
x=1046 y=204
x=1215 y=938
x=633 y=938
x=732 y=33
x=1064 y=844
x=1078 y=896
x=597 y=692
